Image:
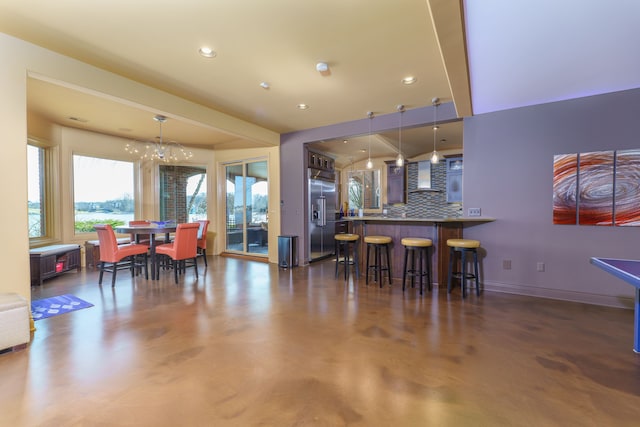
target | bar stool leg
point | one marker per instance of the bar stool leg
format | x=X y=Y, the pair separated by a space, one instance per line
x=347 y=261
x=388 y=264
x=420 y=268
x=378 y=268
x=429 y=269
x=463 y=277
x=367 y=267
x=475 y=262
x=404 y=271
x=452 y=254
x=338 y=244
x=356 y=258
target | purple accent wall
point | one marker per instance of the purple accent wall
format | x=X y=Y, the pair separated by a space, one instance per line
x=509 y=175
x=293 y=178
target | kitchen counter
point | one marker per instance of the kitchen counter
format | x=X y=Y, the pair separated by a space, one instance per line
x=436 y=229
x=479 y=219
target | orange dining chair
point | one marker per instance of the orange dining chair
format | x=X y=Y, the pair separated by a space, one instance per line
x=183 y=248
x=112 y=254
x=202 y=239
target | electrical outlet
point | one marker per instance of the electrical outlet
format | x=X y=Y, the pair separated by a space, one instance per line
x=474 y=211
x=540 y=266
x=506 y=264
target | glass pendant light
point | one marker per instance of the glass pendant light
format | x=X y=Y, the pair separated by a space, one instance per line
x=435 y=156
x=369 y=162
x=400 y=158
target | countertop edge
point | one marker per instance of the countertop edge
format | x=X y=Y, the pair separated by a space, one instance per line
x=394 y=219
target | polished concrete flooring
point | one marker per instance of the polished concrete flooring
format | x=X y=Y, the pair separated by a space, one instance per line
x=248 y=344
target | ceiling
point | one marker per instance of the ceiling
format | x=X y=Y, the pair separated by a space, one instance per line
x=517 y=55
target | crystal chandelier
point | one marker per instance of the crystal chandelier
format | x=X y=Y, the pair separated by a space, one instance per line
x=159 y=150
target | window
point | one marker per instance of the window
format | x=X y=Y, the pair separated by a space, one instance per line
x=183 y=193
x=364 y=189
x=103 y=192
x=37 y=191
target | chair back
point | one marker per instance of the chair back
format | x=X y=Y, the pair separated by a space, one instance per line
x=186 y=241
x=108 y=242
x=142 y=238
x=202 y=233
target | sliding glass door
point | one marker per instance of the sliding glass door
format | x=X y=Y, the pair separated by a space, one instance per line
x=247 y=189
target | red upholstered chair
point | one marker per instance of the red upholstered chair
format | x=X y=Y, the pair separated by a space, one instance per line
x=183 y=248
x=114 y=257
x=202 y=239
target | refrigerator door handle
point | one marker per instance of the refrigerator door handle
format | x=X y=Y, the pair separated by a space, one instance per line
x=322 y=211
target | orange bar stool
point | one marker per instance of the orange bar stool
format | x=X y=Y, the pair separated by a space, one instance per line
x=416 y=246
x=378 y=242
x=463 y=247
x=345 y=242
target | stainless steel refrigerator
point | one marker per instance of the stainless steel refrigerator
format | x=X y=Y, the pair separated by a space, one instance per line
x=322 y=213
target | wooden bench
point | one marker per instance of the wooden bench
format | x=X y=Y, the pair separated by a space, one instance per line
x=92 y=251
x=53 y=260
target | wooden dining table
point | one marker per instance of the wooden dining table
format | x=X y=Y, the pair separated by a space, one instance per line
x=151 y=230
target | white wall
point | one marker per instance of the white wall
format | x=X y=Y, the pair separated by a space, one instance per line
x=508 y=174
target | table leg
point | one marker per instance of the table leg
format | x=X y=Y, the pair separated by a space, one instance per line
x=152 y=251
x=636 y=329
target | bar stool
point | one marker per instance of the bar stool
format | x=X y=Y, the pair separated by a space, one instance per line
x=464 y=247
x=419 y=246
x=343 y=241
x=378 y=242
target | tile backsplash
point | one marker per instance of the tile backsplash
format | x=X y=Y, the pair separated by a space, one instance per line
x=423 y=203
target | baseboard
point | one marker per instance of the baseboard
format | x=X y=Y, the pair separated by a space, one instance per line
x=245 y=257
x=561 y=294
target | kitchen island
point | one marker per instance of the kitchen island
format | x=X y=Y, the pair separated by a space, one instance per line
x=436 y=229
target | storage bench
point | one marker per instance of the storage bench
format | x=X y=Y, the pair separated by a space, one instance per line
x=53 y=260
x=92 y=251
x=14 y=322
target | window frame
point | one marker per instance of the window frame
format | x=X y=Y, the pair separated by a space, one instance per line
x=51 y=177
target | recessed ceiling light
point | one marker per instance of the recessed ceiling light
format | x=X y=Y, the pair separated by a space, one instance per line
x=302 y=106
x=207 y=52
x=409 y=80
x=264 y=85
x=345 y=141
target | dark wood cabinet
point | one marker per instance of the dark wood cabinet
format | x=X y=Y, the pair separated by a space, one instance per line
x=396 y=183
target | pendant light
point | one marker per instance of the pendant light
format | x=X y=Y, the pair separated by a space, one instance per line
x=400 y=158
x=369 y=162
x=435 y=156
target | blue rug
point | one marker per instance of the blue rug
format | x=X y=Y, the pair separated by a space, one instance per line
x=49 y=307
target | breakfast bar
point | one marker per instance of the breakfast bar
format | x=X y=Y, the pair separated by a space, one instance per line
x=436 y=229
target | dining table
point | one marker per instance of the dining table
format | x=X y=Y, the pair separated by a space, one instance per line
x=152 y=229
x=627 y=270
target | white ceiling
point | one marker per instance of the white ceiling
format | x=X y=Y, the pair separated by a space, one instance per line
x=520 y=53
x=532 y=52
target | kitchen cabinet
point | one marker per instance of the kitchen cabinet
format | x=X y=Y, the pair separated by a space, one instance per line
x=454 y=179
x=396 y=183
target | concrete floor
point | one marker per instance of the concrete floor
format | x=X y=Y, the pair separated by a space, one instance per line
x=248 y=344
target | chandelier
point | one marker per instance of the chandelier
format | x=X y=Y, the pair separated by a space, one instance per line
x=159 y=150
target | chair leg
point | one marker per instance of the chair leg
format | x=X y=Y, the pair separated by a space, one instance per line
x=195 y=266
x=101 y=272
x=176 y=265
x=452 y=254
x=113 y=274
x=204 y=254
